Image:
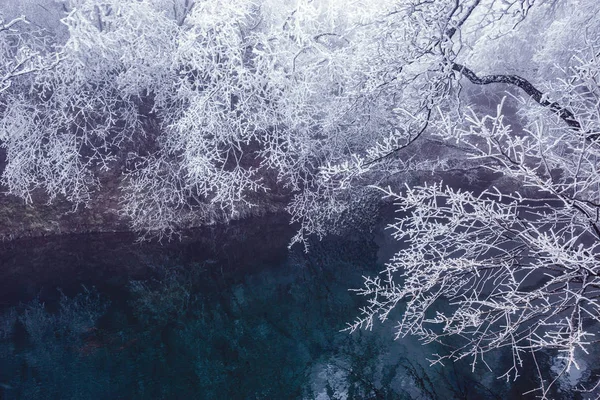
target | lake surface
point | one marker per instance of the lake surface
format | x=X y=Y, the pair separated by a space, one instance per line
x=228 y=312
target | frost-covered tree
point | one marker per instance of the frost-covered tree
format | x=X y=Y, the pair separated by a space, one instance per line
x=205 y=106
x=233 y=93
x=517 y=269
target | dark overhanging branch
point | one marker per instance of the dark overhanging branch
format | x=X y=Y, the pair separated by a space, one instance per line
x=562 y=112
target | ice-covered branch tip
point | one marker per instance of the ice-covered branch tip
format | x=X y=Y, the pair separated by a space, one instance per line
x=8 y=25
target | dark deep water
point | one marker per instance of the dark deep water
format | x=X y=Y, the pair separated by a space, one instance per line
x=227 y=313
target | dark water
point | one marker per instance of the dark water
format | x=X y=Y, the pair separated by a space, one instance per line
x=226 y=313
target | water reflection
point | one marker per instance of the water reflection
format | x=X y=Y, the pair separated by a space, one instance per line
x=223 y=314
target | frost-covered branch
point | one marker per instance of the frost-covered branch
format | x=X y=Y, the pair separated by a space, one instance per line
x=564 y=113
x=516 y=270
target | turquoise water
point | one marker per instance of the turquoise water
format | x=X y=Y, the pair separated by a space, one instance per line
x=225 y=313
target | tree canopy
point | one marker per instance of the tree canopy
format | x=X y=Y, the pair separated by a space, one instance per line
x=202 y=107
